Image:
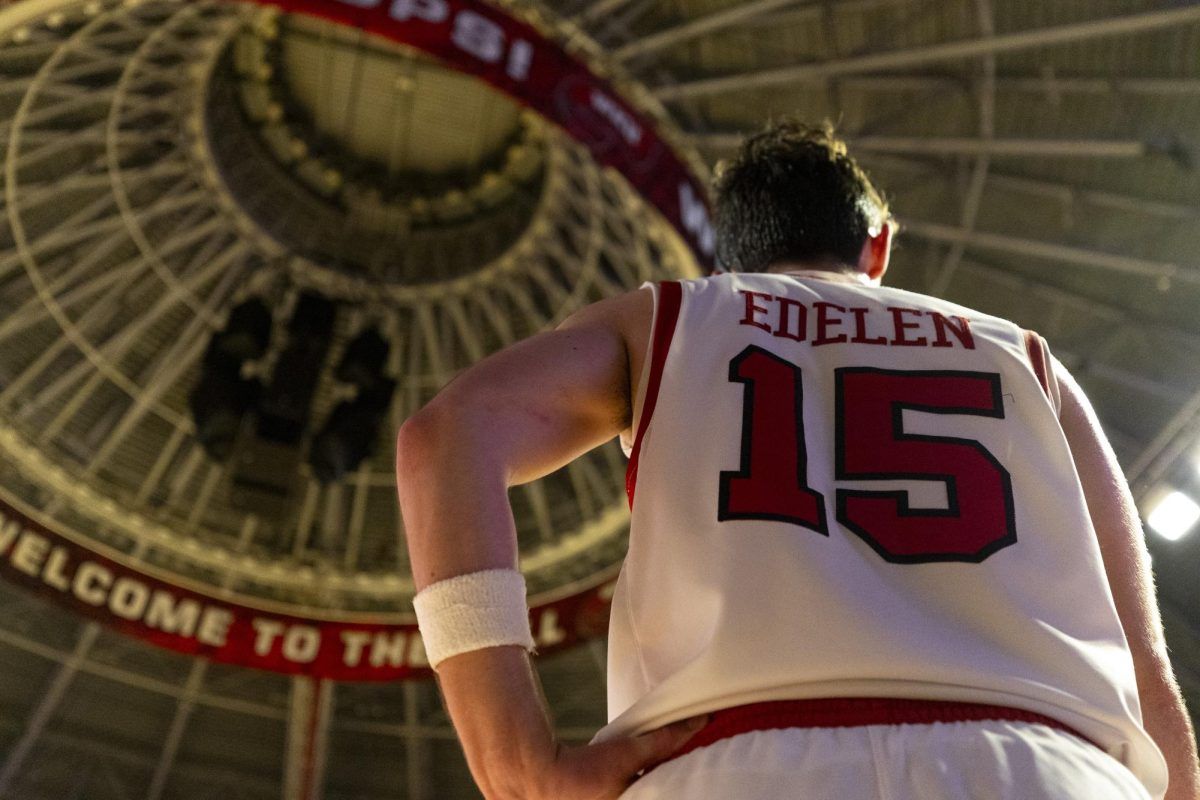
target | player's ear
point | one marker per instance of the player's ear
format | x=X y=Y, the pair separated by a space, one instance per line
x=876 y=251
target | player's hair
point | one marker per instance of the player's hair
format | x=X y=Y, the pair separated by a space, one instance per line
x=793 y=193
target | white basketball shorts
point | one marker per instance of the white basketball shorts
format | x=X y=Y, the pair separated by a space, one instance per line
x=971 y=760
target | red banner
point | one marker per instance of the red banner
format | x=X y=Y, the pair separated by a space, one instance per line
x=188 y=621
x=474 y=37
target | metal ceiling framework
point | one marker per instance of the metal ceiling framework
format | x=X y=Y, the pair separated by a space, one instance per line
x=989 y=44
x=202 y=260
x=128 y=237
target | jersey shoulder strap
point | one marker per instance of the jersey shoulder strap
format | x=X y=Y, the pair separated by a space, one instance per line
x=1038 y=353
x=666 y=314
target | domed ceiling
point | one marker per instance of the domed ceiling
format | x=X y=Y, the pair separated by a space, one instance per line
x=240 y=246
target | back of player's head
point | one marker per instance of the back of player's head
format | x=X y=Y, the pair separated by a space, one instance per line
x=793 y=194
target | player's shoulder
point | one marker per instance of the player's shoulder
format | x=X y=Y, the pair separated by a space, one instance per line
x=617 y=311
x=626 y=316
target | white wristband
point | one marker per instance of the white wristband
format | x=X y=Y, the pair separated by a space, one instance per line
x=473 y=611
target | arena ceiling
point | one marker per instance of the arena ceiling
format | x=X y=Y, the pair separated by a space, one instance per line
x=167 y=162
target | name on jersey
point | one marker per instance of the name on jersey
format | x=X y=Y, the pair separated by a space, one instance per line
x=822 y=323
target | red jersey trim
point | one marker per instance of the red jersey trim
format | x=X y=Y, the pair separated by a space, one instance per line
x=670 y=297
x=1037 y=359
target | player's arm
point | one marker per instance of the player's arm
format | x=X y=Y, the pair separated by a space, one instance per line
x=1127 y=564
x=512 y=418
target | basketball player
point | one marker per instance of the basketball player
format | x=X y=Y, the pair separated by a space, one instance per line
x=880 y=547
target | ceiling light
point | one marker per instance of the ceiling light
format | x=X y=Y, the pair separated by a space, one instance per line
x=1174 y=515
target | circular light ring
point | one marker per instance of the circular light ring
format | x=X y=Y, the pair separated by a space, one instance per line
x=256 y=77
x=630 y=133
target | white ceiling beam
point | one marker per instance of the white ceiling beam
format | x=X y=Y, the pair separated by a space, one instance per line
x=308 y=511
x=208 y=485
x=190 y=693
x=735 y=14
x=55 y=142
x=183 y=713
x=965 y=146
x=417 y=751
x=973 y=196
x=1089 y=305
x=33 y=309
x=137 y=680
x=588 y=506
x=166 y=455
x=1172 y=441
x=1119 y=317
x=598 y=9
x=945 y=51
x=1051 y=85
x=63 y=187
x=1069 y=193
x=47 y=706
x=66 y=238
x=819 y=9
x=358 y=516
x=539 y=506
x=52 y=113
x=107 y=750
x=181 y=477
x=71 y=77
x=171 y=362
x=1082 y=365
x=69 y=667
x=36 y=50
x=765 y=13
x=309 y=716
x=103 y=276
x=1139 y=383
x=114 y=348
x=98 y=220
x=14 y=15
x=1052 y=251
x=1065 y=193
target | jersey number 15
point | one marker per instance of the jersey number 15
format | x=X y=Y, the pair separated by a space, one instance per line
x=870 y=443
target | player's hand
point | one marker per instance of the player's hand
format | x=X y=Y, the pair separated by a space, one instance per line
x=603 y=771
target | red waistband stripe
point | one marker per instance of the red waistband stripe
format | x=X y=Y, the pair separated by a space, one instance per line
x=842 y=712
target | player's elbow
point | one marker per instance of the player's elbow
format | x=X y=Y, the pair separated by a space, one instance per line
x=420 y=439
x=439 y=432
x=457 y=433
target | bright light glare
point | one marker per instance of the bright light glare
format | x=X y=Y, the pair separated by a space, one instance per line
x=1174 y=516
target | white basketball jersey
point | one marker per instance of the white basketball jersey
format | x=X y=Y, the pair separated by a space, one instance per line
x=842 y=490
